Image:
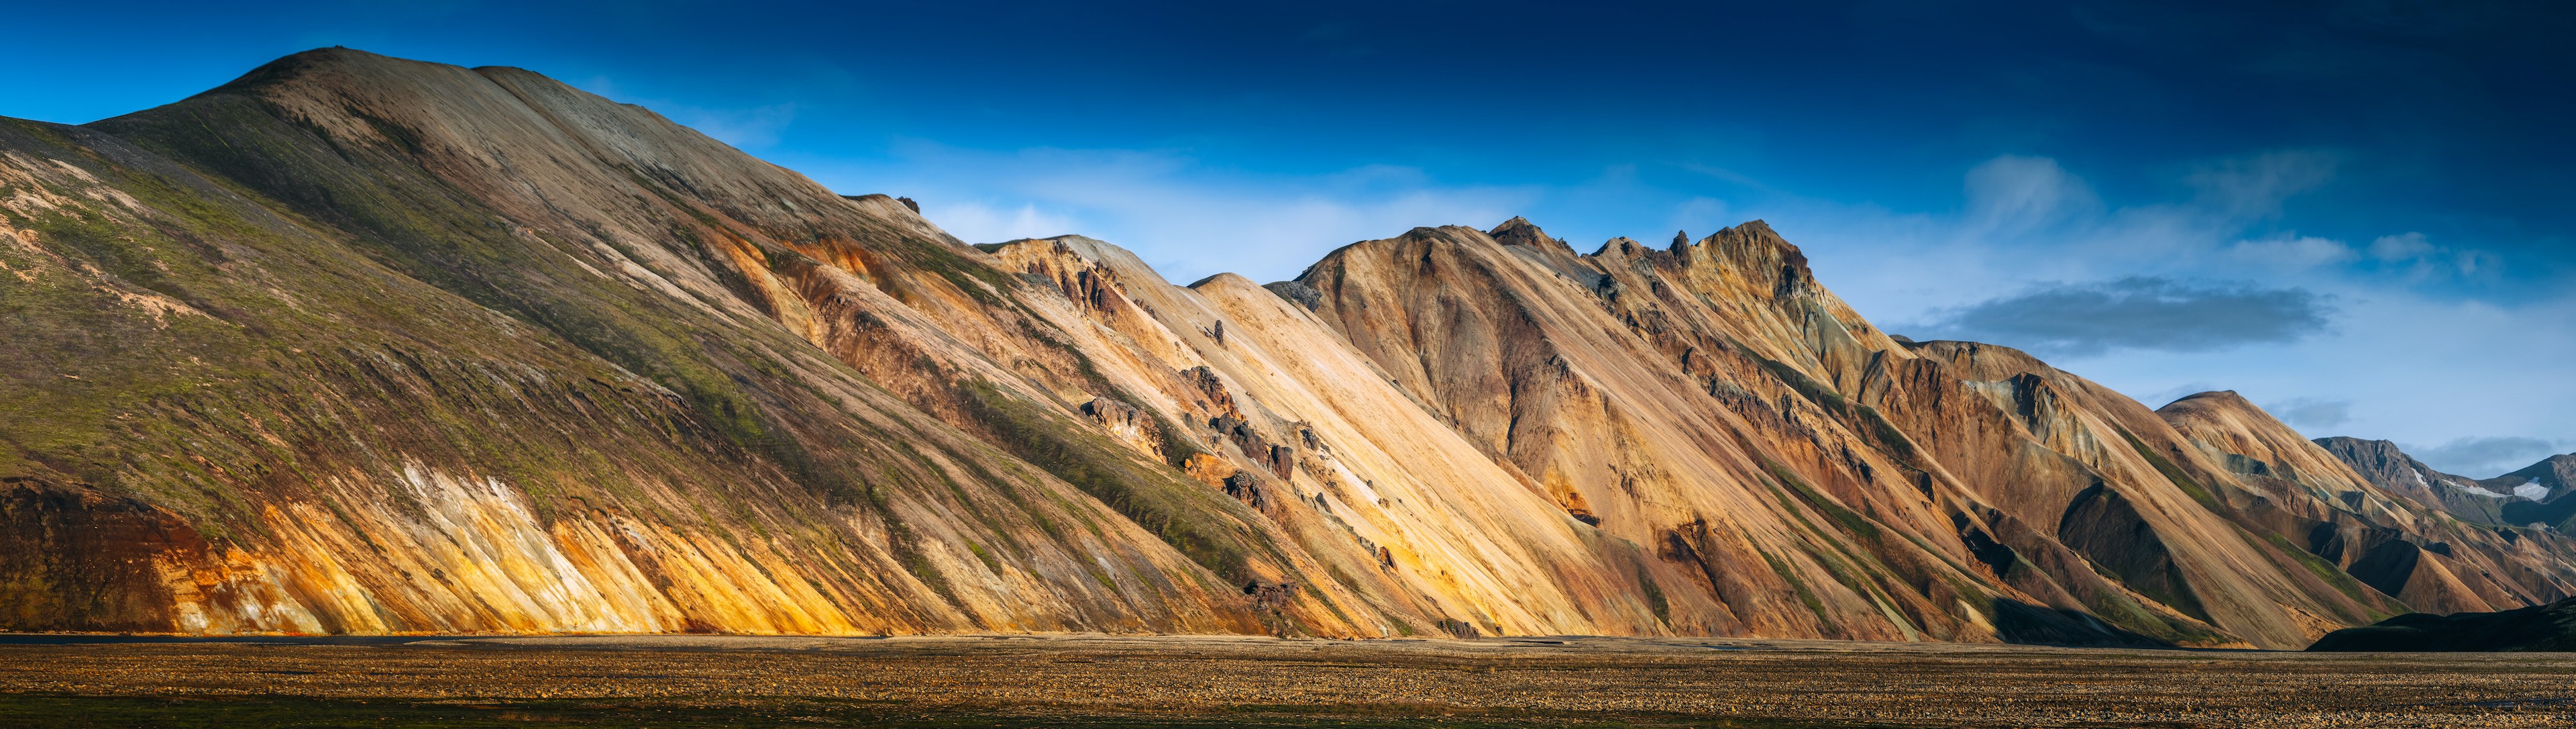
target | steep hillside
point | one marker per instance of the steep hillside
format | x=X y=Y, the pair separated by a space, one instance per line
x=2389 y=468
x=357 y=344
x=2532 y=496
x=2403 y=547
x=1712 y=401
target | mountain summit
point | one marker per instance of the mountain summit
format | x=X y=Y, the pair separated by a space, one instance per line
x=356 y=344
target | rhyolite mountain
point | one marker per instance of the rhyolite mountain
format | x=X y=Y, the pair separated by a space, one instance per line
x=355 y=344
x=2532 y=496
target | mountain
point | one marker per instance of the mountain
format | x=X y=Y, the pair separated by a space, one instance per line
x=2546 y=482
x=2390 y=468
x=2527 y=497
x=2545 y=628
x=356 y=344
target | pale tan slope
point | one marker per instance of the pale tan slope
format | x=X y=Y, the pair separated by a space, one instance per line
x=2399 y=544
x=640 y=381
x=1638 y=420
x=823 y=268
x=1402 y=508
x=2173 y=525
x=857 y=512
x=1667 y=391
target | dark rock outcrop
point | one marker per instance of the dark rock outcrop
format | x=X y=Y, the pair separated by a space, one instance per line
x=2539 y=628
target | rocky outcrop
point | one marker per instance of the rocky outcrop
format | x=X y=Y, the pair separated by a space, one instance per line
x=2384 y=465
x=2524 y=503
x=363 y=345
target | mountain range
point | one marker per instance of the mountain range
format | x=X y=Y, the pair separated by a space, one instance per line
x=356 y=344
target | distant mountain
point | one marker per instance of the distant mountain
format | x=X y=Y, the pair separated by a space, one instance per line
x=2547 y=481
x=355 y=344
x=2390 y=468
x=2531 y=496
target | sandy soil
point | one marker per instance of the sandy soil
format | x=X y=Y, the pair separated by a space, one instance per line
x=1184 y=679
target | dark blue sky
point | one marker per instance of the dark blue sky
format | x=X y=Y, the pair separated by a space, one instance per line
x=2325 y=205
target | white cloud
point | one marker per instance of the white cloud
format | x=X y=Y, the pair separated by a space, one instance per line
x=2291 y=253
x=982 y=222
x=2416 y=369
x=1187 y=219
x=2401 y=247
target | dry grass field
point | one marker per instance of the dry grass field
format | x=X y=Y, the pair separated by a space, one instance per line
x=1106 y=681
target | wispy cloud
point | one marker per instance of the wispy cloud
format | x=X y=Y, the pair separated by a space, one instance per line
x=2312 y=413
x=750 y=127
x=2415 y=257
x=2255 y=186
x=2291 y=253
x=747 y=128
x=2012 y=195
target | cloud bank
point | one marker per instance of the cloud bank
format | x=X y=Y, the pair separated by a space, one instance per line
x=2487 y=457
x=2137 y=312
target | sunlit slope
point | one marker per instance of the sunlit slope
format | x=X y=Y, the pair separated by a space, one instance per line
x=357 y=344
x=2405 y=543
x=366 y=345
x=1711 y=399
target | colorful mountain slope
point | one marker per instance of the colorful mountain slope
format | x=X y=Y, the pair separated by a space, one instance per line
x=357 y=344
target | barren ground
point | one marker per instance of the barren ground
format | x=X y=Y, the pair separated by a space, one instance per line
x=1233 y=681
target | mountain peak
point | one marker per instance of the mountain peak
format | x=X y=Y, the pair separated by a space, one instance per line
x=2226 y=397
x=1753 y=245
x=1624 y=245
x=331 y=61
x=1519 y=232
x=2224 y=406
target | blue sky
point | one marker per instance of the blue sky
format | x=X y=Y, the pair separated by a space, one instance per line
x=2352 y=212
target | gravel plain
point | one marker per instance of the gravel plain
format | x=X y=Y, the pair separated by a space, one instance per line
x=1096 y=680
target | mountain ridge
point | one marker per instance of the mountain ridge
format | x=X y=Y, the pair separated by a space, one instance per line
x=362 y=345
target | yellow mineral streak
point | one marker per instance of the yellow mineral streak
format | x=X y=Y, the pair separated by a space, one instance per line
x=459 y=554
